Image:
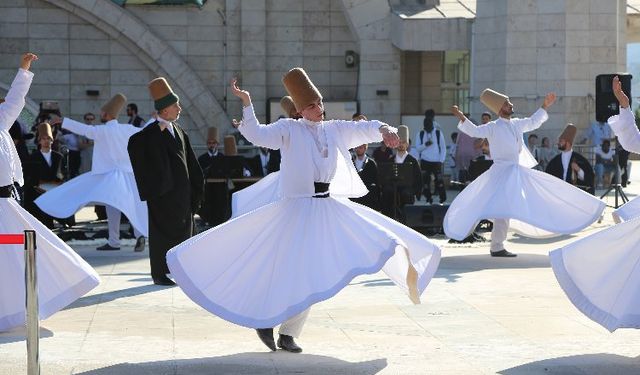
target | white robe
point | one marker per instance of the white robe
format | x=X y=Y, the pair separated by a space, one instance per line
x=10 y=166
x=263 y=267
x=62 y=275
x=537 y=203
x=601 y=273
x=110 y=181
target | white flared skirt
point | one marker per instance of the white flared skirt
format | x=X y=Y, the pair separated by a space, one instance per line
x=116 y=189
x=261 y=268
x=627 y=211
x=543 y=203
x=62 y=275
x=601 y=275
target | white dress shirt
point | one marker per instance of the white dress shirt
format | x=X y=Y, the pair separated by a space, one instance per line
x=47 y=156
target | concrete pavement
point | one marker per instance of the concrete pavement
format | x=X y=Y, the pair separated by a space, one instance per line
x=479 y=315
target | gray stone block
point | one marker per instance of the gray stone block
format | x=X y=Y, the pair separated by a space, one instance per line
x=86 y=32
x=52 y=76
x=316 y=34
x=130 y=77
x=284 y=18
x=39 y=15
x=98 y=77
x=205 y=33
x=181 y=47
x=126 y=62
x=317 y=19
x=88 y=62
x=14 y=45
x=280 y=34
x=89 y=47
x=48 y=31
x=13 y=15
x=13 y=30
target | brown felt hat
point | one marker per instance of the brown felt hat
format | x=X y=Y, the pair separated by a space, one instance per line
x=44 y=129
x=212 y=134
x=289 y=107
x=162 y=94
x=230 y=148
x=569 y=133
x=403 y=133
x=300 y=88
x=493 y=100
x=114 y=105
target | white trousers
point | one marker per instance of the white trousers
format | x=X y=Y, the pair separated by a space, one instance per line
x=499 y=234
x=293 y=326
x=113 y=220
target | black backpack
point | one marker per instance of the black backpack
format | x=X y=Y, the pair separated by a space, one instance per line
x=437 y=138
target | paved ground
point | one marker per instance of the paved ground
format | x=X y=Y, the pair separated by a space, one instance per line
x=479 y=316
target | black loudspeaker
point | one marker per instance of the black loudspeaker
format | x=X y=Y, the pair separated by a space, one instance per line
x=425 y=219
x=606 y=103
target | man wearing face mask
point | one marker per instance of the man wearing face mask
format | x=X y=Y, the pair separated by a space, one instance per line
x=569 y=165
x=432 y=150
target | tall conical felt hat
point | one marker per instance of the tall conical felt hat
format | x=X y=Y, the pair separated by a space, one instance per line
x=300 y=88
x=114 y=105
x=212 y=134
x=288 y=106
x=569 y=133
x=162 y=94
x=230 y=148
x=403 y=133
x=44 y=129
x=493 y=100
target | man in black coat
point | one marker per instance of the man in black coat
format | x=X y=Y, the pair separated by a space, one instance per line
x=265 y=162
x=216 y=205
x=407 y=191
x=368 y=172
x=44 y=167
x=570 y=165
x=168 y=177
x=134 y=119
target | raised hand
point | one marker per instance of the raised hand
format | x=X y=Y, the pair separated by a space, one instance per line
x=549 y=99
x=458 y=113
x=389 y=137
x=623 y=99
x=242 y=94
x=27 y=58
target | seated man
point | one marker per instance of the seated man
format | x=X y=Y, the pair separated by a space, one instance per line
x=570 y=165
x=604 y=162
x=368 y=172
x=406 y=193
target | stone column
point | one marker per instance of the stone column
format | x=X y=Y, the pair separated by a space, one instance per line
x=527 y=48
x=253 y=31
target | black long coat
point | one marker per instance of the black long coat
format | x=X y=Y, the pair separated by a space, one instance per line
x=37 y=171
x=369 y=176
x=555 y=168
x=169 y=178
x=216 y=207
x=405 y=194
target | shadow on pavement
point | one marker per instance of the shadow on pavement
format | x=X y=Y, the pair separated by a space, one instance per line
x=586 y=364
x=95 y=299
x=247 y=363
x=452 y=266
x=20 y=334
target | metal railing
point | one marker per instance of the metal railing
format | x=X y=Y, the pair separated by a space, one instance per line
x=31 y=295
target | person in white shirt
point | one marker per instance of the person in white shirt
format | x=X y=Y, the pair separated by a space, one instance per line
x=432 y=150
x=510 y=192
x=63 y=276
x=110 y=181
x=605 y=162
x=598 y=132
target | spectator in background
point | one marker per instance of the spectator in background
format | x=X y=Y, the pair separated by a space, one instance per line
x=604 y=162
x=134 y=119
x=545 y=153
x=452 y=154
x=466 y=151
x=597 y=132
x=368 y=172
x=432 y=149
x=623 y=163
x=86 y=146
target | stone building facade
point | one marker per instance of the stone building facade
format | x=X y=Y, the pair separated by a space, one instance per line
x=411 y=54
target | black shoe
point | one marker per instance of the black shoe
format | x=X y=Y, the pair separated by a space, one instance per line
x=107 y=247
x=266 y=336
x=503 y=253
x=163 y=280
x=286 y=342
x=139 y=244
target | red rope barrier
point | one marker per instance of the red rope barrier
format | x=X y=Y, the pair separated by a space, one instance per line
x=11 y=239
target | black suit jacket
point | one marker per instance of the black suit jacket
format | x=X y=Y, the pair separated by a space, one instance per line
x=369 y=176
x=587 y=184
x=38 y=170
x=164 y=165
x=273 y=165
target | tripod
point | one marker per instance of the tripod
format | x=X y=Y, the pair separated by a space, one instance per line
x=616 y=185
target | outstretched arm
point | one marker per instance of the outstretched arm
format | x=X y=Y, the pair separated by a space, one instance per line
x=538 y=117
x=271 y=136
x=468 y=127
x=624 y=124
x=14 y=101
